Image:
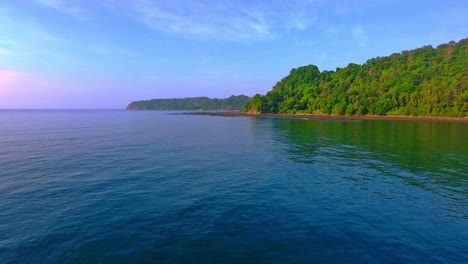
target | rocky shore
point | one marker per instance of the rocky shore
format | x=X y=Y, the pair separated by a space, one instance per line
x=333 y=117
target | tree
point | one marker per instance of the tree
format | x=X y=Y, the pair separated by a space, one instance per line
x=424 y=81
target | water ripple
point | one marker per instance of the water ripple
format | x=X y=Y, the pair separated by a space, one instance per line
x=145 y=187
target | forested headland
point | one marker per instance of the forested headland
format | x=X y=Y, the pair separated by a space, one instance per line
x=191 y=103
x=423 y=82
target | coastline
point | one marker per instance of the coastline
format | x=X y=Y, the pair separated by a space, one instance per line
x=333 y=117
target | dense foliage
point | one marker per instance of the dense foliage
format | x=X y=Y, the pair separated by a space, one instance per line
x=193 y=103
x=425 y=81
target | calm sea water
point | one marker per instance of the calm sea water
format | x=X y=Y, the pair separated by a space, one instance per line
x=136 y=187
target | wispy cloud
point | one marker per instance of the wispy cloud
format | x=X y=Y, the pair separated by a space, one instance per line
x=220 y=19
x=67 y=7
x=5 y=52
x=110 y=50
x=223 y=20
x=360 y=35
x=214 y=20
x=302 y=14
x=28 y=44
x=22 y=36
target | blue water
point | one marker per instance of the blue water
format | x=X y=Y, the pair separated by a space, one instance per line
x=151 y=187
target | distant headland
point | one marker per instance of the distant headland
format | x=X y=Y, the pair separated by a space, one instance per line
x=192 y=103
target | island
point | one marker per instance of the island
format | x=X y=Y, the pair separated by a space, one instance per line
x=232 y=103
x=423 y=82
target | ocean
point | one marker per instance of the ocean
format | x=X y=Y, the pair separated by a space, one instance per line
x=115 y=186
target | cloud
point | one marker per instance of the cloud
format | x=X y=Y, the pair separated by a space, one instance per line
x=5 y=52
x=360 y=35
x=300 y=22
x=64 y=7
x=220 y=19
x=19 y=35
x=23 y=41
x=213 y=20
x=110 y=50
x=300 y=15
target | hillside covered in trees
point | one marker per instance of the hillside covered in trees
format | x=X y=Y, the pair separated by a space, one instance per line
x=192 y=103
x=422 y=82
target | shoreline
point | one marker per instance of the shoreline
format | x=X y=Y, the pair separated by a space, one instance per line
x=333 y=117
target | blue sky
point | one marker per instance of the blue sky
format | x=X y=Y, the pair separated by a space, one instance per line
x=104 y=54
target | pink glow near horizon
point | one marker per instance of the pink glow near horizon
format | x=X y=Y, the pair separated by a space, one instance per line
x=7 y=80
x=22 y=89
x=28 y=90
x=18 y=83
x=18 y=88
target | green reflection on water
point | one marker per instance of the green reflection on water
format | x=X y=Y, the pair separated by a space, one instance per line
x=423 y=154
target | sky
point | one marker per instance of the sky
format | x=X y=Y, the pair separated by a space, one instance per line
x=89 y=54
